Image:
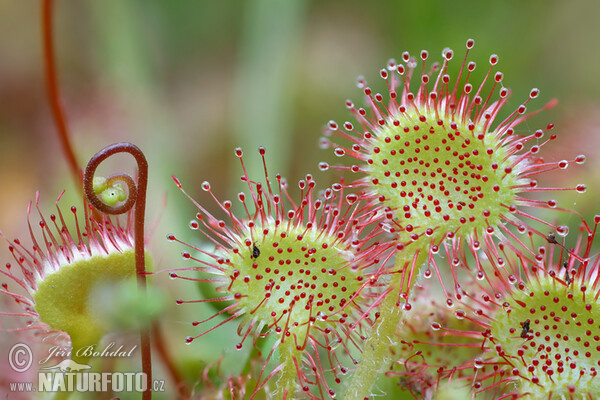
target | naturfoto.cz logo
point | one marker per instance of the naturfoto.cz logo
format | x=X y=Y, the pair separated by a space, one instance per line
x=70 y=376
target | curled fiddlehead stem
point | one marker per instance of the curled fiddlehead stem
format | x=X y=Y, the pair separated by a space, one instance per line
x=136 y=195
x=95 y=186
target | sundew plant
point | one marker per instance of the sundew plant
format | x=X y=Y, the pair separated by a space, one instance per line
x=437 y=247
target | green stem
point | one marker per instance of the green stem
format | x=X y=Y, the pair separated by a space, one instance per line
x=288 y=376
x=376 y=356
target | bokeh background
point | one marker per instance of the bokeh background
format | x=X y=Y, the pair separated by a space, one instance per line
x=190 y=81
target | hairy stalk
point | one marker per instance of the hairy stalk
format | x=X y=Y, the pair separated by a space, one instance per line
x=376 y=356
x=137 y=197
x=53 y=94
x=289 y=357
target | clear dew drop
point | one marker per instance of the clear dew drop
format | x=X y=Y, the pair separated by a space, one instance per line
x=562 y=230
x=334 y=344
x=386 y=227
x=478 y=363
x=480 y=276
x=427 y=274
x=436 y=326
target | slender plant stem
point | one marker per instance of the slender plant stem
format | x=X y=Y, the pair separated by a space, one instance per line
x=53 y=94
x=288 y=376
x=161 y=349
x=137 y=196
x=376 y=356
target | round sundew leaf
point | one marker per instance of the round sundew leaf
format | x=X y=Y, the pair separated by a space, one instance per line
x=62 y=297
x=551 y=334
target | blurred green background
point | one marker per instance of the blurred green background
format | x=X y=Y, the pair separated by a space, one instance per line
x=187 y=81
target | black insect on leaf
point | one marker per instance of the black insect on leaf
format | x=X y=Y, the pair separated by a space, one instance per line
x=567 y=274
x=255 y=251
x=525 y=330
x=551 y=238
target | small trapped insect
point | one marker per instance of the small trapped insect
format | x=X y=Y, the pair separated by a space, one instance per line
x=567 y=275
x=255 y=251
x=551 y=238
x=525 y=330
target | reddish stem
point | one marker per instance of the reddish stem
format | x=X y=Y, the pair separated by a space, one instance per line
x=52 y=91
x=137 y=196
x=161 y=349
